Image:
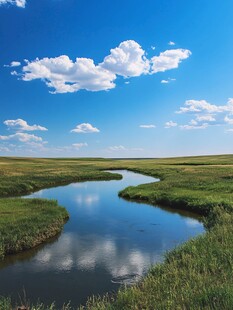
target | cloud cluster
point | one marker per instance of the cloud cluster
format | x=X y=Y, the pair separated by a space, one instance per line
x=85 y=128
x=18 y=3
x=204 y=114
x=20 y=136
x=21 y=125
x=127 y=60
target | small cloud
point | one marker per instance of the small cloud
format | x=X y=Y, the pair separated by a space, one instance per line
x=21 y=125
x=18 y=3
x=170 y=124
x=207 y=118
x=79 y=145
x=117 y=148
x=169 y=80
x=191 y=127
x=22 y=137
x=147 y=126
x=85 y=128
x=171 y=43
x=228 y=120
x=127 y=82
x=152 y=47
x=13 y=64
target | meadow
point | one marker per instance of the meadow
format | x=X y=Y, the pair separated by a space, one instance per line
x=196 y=275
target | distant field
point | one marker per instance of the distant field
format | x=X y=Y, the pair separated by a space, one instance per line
x=197 y=275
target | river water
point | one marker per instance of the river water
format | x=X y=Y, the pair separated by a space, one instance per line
x=108 y=241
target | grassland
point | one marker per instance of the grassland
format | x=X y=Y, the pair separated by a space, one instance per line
x=197 y=275
x=25 y=223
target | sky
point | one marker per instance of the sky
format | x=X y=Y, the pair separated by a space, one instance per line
x=116 y=79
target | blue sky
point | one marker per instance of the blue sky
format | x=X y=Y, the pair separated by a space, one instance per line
x=125 y=79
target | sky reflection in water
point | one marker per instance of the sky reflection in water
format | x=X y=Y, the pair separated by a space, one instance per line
x=106 y=241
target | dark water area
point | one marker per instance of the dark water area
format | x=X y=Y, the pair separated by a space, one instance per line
x=108 y=241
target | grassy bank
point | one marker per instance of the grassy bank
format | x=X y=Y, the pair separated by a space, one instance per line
x=25 y=223
x=197 y=275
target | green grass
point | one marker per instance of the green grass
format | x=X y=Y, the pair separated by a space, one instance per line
x=25 y=223
x=196 y=275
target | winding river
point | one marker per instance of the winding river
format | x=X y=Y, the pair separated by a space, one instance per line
x=108 y=241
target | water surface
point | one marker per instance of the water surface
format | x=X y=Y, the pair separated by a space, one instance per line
x=106 y=242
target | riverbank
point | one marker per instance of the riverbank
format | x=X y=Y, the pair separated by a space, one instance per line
x=197 y=275
x=26 y=223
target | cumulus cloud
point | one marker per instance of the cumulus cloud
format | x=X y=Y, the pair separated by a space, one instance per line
x=127 y=60
x=199 y=106
x=18 y=3
x=64 y=75
x=171 y=43
x=169 y=59
x=21 y=125
x=147 y=126
x=207 y=114
x=170 y=124
x=22 y=137
x=85 y=128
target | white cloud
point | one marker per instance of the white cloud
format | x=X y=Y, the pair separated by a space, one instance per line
x=190 y=127
x=79 y=145
x=203 y=106
x=207 y=118
x=171 y=43
x=21 y=125
x=169 y=80
x=18 y=3
x=228 y=120
x=117 y=148
x=22 y=137
x=206 y=114
x=169 y=59
x=85 y=128
x=64 y=75
x=147 y=126
x=13 y=63
x=170 y=124
x=152 y=47
x=127 y=60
